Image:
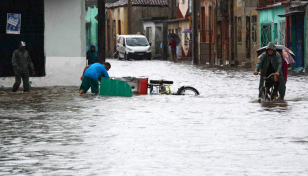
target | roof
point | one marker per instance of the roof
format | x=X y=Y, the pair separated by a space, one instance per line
x=123 y=3
x=291 y=13
x=273 y=5
x=176 y=20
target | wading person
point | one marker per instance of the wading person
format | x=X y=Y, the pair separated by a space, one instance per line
x=21 y=61
x=90 y=77
x=92 y=55
x=271 y=62
x=172 y=43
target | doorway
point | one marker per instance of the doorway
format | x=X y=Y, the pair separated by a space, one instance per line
x=31 y=31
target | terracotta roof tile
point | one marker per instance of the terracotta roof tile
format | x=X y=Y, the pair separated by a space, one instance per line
x=122 y=3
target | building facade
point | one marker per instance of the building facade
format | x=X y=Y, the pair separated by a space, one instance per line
x=179 y=23
x=117 y=22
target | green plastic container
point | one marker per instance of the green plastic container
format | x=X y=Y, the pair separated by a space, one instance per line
x=111 y=87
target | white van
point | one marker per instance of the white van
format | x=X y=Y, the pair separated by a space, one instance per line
x=133 y=47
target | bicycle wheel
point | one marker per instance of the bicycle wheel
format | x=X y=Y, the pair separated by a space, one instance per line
x=262 y=95
x=187 y=91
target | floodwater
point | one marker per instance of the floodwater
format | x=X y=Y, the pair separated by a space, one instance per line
x=224 y=131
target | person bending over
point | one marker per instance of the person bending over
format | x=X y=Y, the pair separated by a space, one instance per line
x=90 y=77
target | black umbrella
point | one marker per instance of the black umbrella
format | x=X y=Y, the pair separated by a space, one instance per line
x=176 y=37
x=279 y=48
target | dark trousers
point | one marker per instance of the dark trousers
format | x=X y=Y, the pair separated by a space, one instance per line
x=25 y=80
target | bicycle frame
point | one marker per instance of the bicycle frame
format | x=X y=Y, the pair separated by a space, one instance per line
x=266 y=89
x=160 y=88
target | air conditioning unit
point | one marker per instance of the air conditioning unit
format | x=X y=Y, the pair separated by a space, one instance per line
x=210 y=4
x=203 y=4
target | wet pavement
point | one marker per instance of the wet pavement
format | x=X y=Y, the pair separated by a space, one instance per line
x=224 y=131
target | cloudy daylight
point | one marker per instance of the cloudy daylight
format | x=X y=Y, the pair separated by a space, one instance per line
x=153 y=87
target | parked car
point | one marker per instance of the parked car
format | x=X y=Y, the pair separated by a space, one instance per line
x=133 y=47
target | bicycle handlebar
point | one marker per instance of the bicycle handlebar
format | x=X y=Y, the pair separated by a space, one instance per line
x=268 y=76
x=160 y=82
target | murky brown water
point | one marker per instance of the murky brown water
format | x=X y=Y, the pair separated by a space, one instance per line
x=224 y=131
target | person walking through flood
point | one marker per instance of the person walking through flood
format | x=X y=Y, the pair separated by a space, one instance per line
x=90 y=77
x=21 y=62
x=92 y=55
x=172 y=43
x=271 y=62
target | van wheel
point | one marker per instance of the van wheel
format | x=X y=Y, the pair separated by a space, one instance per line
x=125 y=57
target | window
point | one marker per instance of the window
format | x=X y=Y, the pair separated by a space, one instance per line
x=186 y=39
x=239 y=29
x=282 y=33
x=189 y=6
x=265 y=34
x=254 y=29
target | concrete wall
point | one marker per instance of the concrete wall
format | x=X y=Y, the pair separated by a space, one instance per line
x=144 y=12
x=65 y=44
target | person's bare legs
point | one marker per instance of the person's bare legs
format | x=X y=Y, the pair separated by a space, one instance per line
x=81 y=92
x=174 y=58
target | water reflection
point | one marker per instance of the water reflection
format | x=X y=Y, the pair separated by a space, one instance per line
x=278 y=106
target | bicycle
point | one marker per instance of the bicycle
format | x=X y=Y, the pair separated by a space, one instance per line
x=265 y=92
x=162 y=87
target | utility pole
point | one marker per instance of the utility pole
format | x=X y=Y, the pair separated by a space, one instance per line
x=195 y=54
x=101 y=58
x=210 y=34
x=129 y=16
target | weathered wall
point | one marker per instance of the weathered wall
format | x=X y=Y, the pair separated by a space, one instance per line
x=183 y=8
x=65 y=44
x=244 y=9
x=144 y=12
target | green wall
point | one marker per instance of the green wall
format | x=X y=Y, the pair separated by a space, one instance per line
x=91 y=27
x=270 y=16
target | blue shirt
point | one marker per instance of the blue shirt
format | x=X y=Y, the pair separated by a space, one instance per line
x=96 y=71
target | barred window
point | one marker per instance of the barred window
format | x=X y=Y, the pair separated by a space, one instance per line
x=254 y=29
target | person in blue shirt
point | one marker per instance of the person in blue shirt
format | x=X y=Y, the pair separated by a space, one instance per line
x=90 y=77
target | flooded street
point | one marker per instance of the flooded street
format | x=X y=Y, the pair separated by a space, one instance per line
x=224 y=131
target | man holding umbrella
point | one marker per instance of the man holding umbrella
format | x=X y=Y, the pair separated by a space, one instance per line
x=271 y=62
